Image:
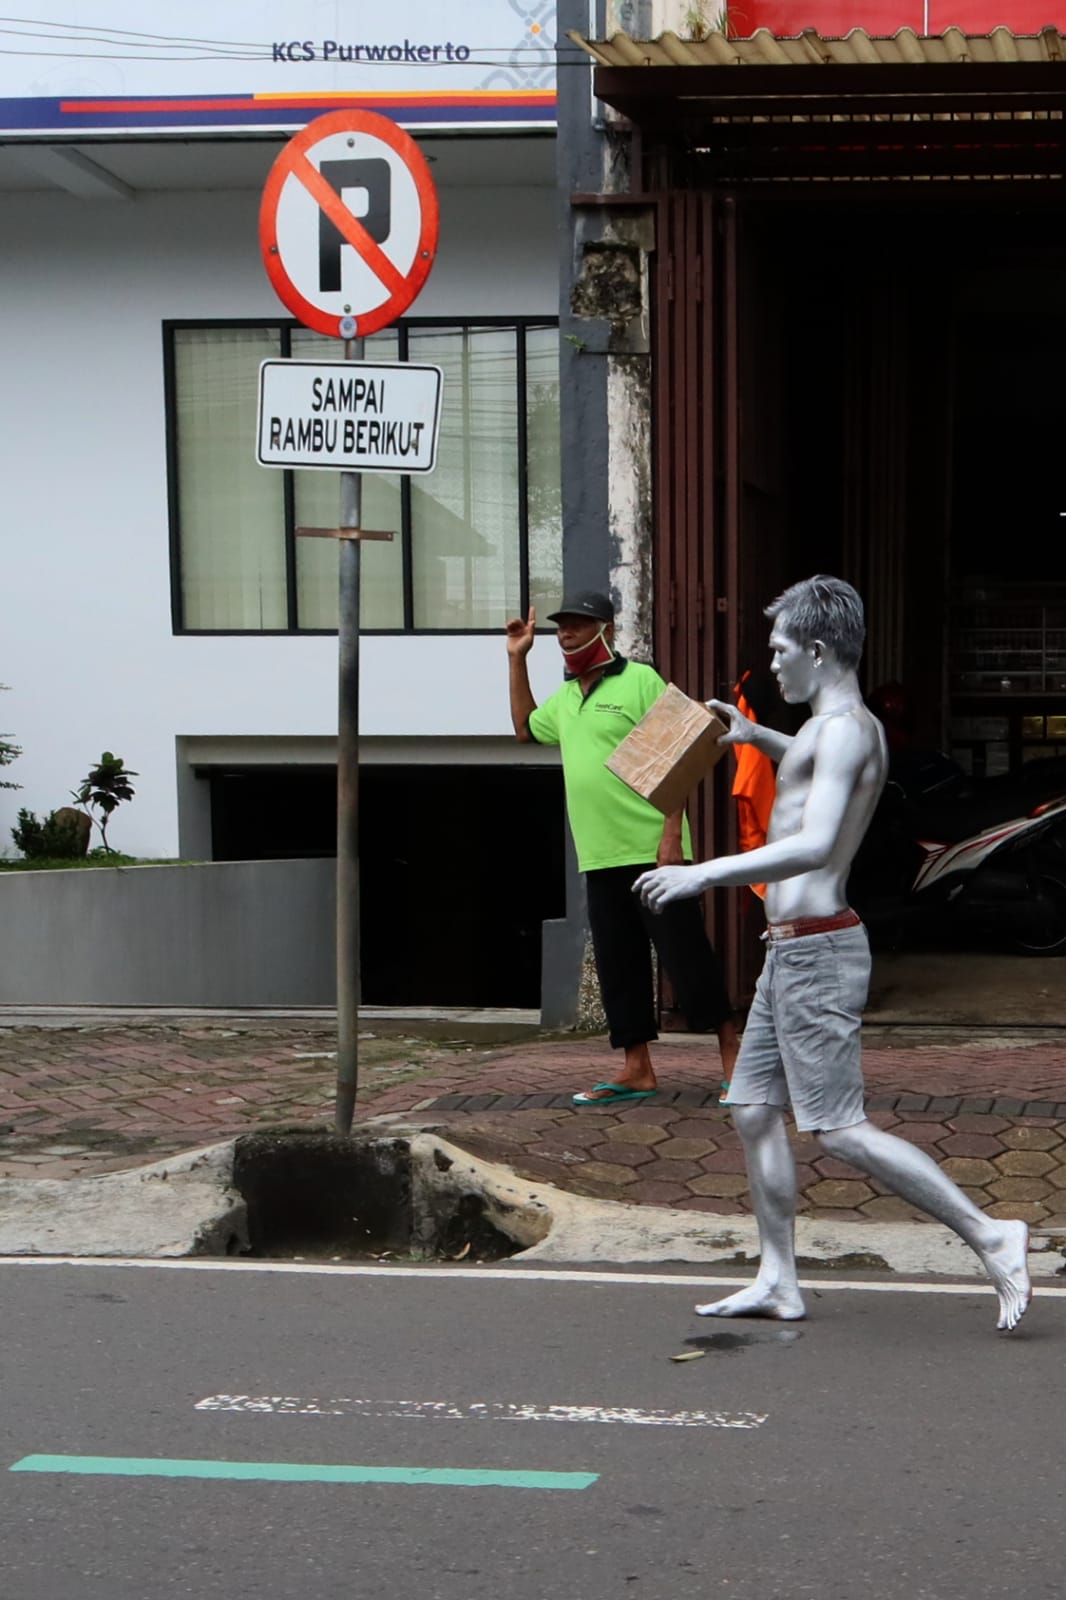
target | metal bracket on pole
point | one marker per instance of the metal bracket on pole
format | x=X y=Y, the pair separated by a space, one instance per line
x=344 y=533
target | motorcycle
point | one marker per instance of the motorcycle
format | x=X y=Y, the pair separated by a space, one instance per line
x=949 y=859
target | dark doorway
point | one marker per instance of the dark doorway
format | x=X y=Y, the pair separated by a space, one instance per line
x=460 y=867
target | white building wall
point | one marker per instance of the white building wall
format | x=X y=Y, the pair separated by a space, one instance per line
x=85 y=630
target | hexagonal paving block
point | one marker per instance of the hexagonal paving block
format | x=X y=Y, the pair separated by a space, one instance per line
x=607 y=1172
x=709 y=1205
x=1056 y=1222
x=537 y=1118
x=576 y=1135
x=651 y=1192
x=625 y=1155
x=966 y=1171
x=693 y=1128
x=978 y=1122
x=1032 y=1212
x=724 y=1161
x=1026 y=1163
x=839 y=1193
x=675 y=1171
x=923 y=1133
x=532 y=1166
x=836 y=1214
x=651 y=1113
x=637 y=1133
x=890 y=1208
x=1019 y=1189
x=973 y=1145
x=1057 y=1176
x=724 y=1184
x=686 y=1149
x=1029 y=1138
x=830 y=1167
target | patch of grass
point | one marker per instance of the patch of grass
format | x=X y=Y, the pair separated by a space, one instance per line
x=61 y=864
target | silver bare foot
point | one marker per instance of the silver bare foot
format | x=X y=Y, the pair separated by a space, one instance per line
x=757 y=1300
x=1007 y=1265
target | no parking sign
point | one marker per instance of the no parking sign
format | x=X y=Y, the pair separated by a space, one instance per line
x=348 y=229
x=348 y=223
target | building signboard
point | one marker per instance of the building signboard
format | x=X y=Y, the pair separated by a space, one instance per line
x=273 y=65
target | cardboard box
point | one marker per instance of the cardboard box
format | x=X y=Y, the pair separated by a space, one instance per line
x=670 y=751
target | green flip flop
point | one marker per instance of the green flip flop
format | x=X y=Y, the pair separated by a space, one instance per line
x=618 y=1091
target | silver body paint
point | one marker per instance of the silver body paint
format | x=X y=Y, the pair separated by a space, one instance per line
x=830 y=776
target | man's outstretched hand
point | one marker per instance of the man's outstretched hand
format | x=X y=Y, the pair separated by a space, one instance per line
x=739 y=726
x=520 y=635
x=663 y=885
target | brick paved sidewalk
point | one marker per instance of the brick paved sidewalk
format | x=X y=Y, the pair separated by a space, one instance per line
x=77 y=1101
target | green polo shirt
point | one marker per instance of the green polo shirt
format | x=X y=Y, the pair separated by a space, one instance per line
x=612 y=826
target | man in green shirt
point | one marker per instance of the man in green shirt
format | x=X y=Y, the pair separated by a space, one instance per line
x=618 y=835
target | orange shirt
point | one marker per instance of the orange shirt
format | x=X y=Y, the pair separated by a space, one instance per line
x=753 y=788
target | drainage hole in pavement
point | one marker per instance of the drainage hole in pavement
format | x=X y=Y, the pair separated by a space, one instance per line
x=327 y=1197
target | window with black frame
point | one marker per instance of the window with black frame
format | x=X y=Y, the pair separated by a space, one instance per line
x=476 y=541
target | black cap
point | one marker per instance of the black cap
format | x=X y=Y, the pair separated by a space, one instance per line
x=585 y=603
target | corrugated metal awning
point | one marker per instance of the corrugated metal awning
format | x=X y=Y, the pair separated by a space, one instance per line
x=997 y=100
x=810 y=48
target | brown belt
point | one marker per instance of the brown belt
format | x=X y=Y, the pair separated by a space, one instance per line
x=802 y=926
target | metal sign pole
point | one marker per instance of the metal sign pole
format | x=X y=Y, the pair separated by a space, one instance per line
x=302 y=245
x=348 y=971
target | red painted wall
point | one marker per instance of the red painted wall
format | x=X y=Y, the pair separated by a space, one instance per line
x=834 y=18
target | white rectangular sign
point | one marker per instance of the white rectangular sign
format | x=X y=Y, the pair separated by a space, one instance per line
x=359 y=416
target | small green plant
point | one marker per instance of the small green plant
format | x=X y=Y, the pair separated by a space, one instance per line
x=699 y=25
x=57 y=837
x=8 y=753
x=103 y=791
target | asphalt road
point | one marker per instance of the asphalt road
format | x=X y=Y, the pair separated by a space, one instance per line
x=892 y=1445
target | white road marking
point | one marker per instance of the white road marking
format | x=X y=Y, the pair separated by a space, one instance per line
x=493 y=1411
x=516 y=1275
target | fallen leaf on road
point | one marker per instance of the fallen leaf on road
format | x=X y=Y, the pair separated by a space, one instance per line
x=689 y=1355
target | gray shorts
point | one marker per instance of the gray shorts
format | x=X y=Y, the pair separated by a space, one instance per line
x=801 y=1041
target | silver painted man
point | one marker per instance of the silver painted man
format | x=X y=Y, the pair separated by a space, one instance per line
x=801 y=1044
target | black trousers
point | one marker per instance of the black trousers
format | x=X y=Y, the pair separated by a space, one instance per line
x=621 y=927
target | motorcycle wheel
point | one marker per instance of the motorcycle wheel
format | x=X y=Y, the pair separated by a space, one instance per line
x=1046 y=932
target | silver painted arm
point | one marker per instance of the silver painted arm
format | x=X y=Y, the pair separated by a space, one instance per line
x=743 y=731
x=838 y=761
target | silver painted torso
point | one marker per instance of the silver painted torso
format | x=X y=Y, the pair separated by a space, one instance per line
x=822 y=892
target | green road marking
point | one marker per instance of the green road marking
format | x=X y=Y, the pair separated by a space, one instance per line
x=296 y=1472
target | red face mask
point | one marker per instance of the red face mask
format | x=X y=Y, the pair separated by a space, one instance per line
x=587 y=657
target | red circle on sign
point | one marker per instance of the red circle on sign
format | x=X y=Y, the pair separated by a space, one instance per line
x=294 y=157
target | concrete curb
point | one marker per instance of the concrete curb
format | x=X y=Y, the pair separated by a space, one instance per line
x=184 y=1206
x=188 y=1206
x=588 y=1232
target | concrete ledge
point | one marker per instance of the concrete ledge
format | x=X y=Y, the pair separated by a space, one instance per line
x=223 y=933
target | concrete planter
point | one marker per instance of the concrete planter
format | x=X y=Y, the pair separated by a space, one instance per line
x=224 y=933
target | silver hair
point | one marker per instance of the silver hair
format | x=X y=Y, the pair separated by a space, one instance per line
x=824 y=609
